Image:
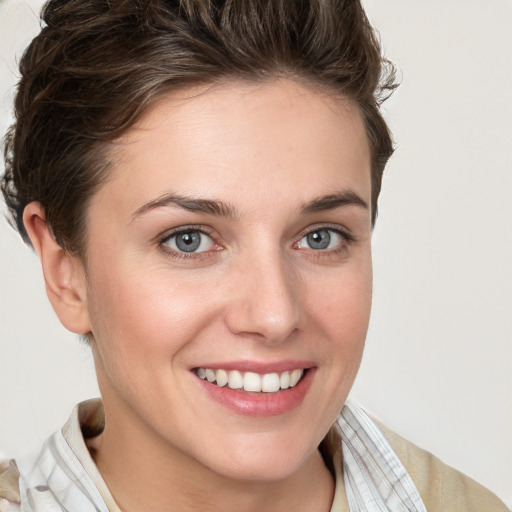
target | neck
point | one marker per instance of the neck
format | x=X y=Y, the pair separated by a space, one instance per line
x=144 y=473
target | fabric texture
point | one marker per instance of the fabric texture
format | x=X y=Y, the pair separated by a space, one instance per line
x=375 y=478
x=379 y=471
x=441 y=487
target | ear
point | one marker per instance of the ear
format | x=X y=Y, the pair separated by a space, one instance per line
x=64 y=274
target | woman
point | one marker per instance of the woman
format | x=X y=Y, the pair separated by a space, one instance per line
x=201 y=195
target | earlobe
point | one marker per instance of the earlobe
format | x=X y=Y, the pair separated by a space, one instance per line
x=63 y=273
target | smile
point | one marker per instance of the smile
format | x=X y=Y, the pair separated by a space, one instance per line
x=250 y=381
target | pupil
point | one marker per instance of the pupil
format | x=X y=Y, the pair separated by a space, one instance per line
x=319 y=239
x=188 y=242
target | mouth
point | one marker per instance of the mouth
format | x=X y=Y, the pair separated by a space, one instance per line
x=250 y=381
x=255 y=388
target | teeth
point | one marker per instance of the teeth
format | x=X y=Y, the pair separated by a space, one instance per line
x=284 y=380
x=250 y=381
x=270 y=383
x=235 y=380
x=221 y=376
x=294 y=377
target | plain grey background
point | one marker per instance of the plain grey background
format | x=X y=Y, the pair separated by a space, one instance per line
x=437 y=367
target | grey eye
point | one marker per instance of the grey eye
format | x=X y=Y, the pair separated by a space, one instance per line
x=321 y=239
x=190 y=241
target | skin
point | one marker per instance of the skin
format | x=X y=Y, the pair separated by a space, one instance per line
x=258 y=292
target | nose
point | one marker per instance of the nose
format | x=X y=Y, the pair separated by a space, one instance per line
x=264 y=301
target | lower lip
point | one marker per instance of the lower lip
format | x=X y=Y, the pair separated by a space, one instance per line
x=260 y=404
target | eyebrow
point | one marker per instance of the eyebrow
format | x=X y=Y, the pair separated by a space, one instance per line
x=208 y=206
x=332 y=201
x=222 y=209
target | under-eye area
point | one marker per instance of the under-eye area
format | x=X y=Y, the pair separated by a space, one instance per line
x=251 y=381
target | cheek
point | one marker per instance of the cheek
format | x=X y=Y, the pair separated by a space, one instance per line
x=139 y=313
x=343 y=303
x=144 y=323
x=339 y=313
x=341 y=310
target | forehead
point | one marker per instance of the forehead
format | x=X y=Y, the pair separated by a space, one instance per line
x=243 y=140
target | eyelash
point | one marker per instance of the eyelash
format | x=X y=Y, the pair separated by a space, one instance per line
x=184 y=255
x=347 y=240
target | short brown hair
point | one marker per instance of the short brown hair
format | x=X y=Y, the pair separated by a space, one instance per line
x=97 y=64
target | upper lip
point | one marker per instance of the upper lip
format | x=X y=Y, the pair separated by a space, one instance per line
x=260 y=367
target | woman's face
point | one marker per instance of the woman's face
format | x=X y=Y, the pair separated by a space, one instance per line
x=232 y=242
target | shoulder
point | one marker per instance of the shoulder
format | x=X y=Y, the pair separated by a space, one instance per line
x=441 y=487
x=9 y=487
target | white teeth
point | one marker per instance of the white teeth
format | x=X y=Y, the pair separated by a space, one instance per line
x=295 y=377
x=285 y=380
x=221 y=376
x=235 y=380
x=210 y=375
x=250 y=381
x=270 y=383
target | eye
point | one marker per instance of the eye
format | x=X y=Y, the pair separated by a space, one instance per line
x=322 y=239
x=190 y=241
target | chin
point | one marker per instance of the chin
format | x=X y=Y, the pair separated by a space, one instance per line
x=272 y=470
x=260 y=459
